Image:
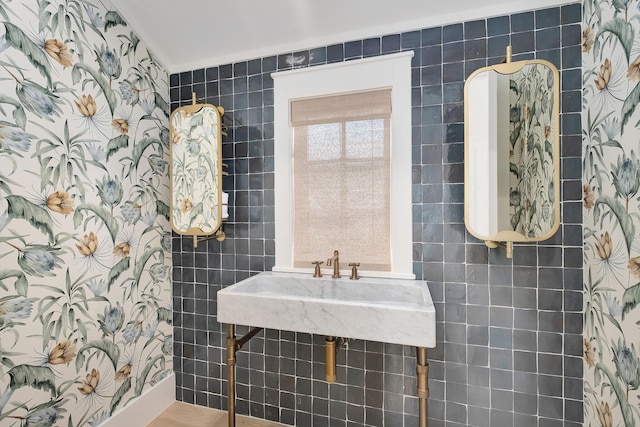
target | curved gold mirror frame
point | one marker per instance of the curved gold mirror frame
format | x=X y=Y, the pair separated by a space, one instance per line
x=196 y=170
x=511 y=153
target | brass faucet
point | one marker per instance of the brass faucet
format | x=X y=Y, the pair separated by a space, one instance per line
x=335 y=260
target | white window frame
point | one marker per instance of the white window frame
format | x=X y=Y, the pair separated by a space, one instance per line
x=386 y=71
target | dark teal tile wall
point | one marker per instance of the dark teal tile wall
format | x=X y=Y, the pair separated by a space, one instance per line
x=509 y=331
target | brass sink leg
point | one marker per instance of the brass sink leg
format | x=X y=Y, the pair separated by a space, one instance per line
x=231 y=374
x=330 y=359
x=422 y=370
x=233 y=346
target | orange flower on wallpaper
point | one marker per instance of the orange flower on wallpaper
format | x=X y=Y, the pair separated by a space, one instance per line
x=90 y=383
x=633 y=73
x=634 y=266
x=604 y=414
x=88 y=245
x=589 y=197
x=588 y=39
x=123 y=373
x=121 y=125
x=122 y=249
x=604 y=246
x=86 y=106
x=59 y=51
x=185 y=205
x=60 y=202
x=62 y=353
x=589 y=353
x=604 y=75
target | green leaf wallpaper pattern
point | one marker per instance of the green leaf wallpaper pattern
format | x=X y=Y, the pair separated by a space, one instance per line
x=85 y=242
x=611 y=214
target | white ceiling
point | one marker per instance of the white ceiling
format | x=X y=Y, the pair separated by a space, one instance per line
x=191 y=34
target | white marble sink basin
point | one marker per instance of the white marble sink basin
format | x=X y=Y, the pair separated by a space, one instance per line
x=396 y=311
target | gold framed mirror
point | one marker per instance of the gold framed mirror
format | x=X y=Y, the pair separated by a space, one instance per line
x=512 y=173
x=196 y=204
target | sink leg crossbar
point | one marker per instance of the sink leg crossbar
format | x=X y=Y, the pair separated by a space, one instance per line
x=233 y=346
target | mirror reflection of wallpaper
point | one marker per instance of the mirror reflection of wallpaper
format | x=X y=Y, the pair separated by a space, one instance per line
x=195 y=164
x=85 y=241
x=531 y=154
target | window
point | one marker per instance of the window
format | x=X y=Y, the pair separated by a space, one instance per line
x=341 y=147
x=343 y=165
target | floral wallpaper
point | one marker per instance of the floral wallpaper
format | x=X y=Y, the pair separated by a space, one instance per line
x=611 y=93
x=85 y=314
x=532 y=192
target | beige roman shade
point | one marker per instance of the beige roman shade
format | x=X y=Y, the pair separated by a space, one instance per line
x=341 y=173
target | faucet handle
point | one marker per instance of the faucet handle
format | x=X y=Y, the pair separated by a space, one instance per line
x=317 y=272
x=354 y=270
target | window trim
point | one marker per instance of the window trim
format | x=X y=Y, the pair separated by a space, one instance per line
x=384 y=71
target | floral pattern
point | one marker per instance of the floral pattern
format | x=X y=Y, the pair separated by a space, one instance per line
x=611 y=180
x=85 y=314
x=532 y=129
x=195 y=170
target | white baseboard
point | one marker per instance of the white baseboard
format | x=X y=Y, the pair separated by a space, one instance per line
x=145 y=408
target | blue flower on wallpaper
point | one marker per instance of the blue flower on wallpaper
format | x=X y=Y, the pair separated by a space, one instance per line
x=38 y=260
x=628 y=367
x=132 y=332
x=44 y=417
x=167 y=345
x=15 y=139
x=148 y=106
x=158 y=165
x=112 y=319
x=94 y=17
x=109 y=62
x=96 y=152
x=613 y=305
x=166 y=242
x=626 y=176
x=97 y=286
x=193 y=147
x=130 y=212
x=514 y=198
x=159 y=272
x=611 y=128
x=129 y=92
x=38 y=99
x=110 y=191
x=149 y=218
x=514 y=114
x=19 y=308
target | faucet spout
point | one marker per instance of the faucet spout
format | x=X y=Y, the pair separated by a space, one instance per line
x=335 y=261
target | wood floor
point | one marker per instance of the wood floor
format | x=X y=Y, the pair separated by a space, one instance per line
x=184 y=415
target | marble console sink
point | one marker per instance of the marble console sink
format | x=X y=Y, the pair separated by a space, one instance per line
x=396 y=311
